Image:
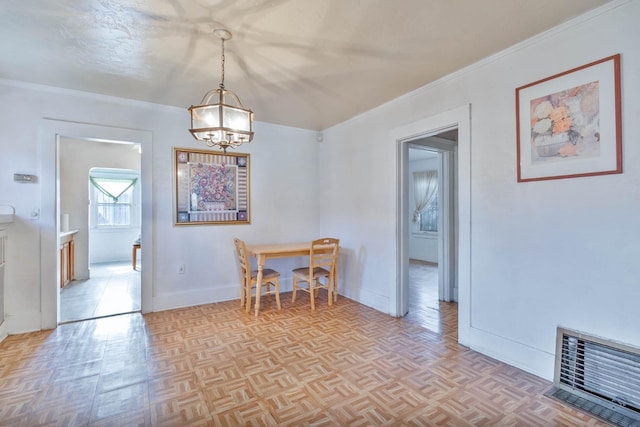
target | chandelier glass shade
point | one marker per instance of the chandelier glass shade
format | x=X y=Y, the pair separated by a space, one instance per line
x=221 y=120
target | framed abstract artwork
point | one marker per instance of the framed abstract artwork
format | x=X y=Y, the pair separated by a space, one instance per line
x=569 y=125
x=211 y=187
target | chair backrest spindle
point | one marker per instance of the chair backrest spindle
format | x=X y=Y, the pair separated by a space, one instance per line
x=323 y=252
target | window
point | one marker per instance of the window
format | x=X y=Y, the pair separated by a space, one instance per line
x=113 y=199
x=110 y=213
x=429 y=217
x=425 y=193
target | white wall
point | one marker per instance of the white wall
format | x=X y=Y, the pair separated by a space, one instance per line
x=422 y=246
x=543 y=254
x=77 y=157
x=283 y=167
x=283 y=203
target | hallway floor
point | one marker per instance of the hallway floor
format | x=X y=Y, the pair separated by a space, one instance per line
x=424 y=306
x=114 y=288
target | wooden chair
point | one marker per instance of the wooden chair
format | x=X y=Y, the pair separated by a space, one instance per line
x=248 y=278
x=321 y=271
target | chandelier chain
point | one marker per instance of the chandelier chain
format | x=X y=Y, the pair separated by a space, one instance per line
x=222 y=62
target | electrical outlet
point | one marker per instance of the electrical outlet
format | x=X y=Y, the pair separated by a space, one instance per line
x=181 y=269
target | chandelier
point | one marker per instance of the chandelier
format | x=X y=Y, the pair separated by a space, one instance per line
x=217 y=123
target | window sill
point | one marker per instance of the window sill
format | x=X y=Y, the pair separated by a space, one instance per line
x=113 y=229
x=424 y=234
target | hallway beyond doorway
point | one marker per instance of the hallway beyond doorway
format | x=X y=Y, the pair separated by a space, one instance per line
x=114 y=288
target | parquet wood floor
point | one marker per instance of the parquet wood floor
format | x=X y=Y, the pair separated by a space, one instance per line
x=215 y=365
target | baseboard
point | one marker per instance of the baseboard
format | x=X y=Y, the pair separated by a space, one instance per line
x=229 y=292
x=522 y=356
x=174 y=300
x=170 y=301
x=370 y=299
x=23 y=322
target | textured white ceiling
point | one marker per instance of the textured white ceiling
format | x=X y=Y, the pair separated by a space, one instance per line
x=303 y=63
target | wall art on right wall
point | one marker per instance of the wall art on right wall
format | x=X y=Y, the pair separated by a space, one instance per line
x=569 y=125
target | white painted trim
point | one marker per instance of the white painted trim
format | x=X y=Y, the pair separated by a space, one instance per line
x=447 y=224
x=227 y=292
x=175 y=300
x=522 y=356
x=3 y=331
x=50 y=131
x=231 y=292
x=429 y=235
x=365 y=297
x=23 y=322
x=399 y=297
x=90 y=95
x=127 y=102
x=461 y=118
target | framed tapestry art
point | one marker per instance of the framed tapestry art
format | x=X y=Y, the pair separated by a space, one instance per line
x=568 y=125
x=211 y=187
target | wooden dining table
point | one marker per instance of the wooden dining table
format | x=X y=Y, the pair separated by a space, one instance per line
x=268 y=251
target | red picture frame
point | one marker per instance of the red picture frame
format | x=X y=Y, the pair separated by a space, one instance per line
x=569 y=125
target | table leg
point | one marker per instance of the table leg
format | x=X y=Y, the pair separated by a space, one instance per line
x=259 y=282
x=335 y=283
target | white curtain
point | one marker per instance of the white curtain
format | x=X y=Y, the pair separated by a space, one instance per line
x=425 y=187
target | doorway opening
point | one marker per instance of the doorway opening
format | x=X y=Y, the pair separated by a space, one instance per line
x=102 y=280
x=51 y=132
x=457 y=255
x=431 y=235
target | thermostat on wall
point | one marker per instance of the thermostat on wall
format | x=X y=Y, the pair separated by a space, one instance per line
x=21 y=177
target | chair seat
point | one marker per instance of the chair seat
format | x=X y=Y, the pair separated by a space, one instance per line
x=267 y=273
x=317 y=272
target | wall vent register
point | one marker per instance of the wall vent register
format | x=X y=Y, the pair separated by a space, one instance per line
x=599 y=376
